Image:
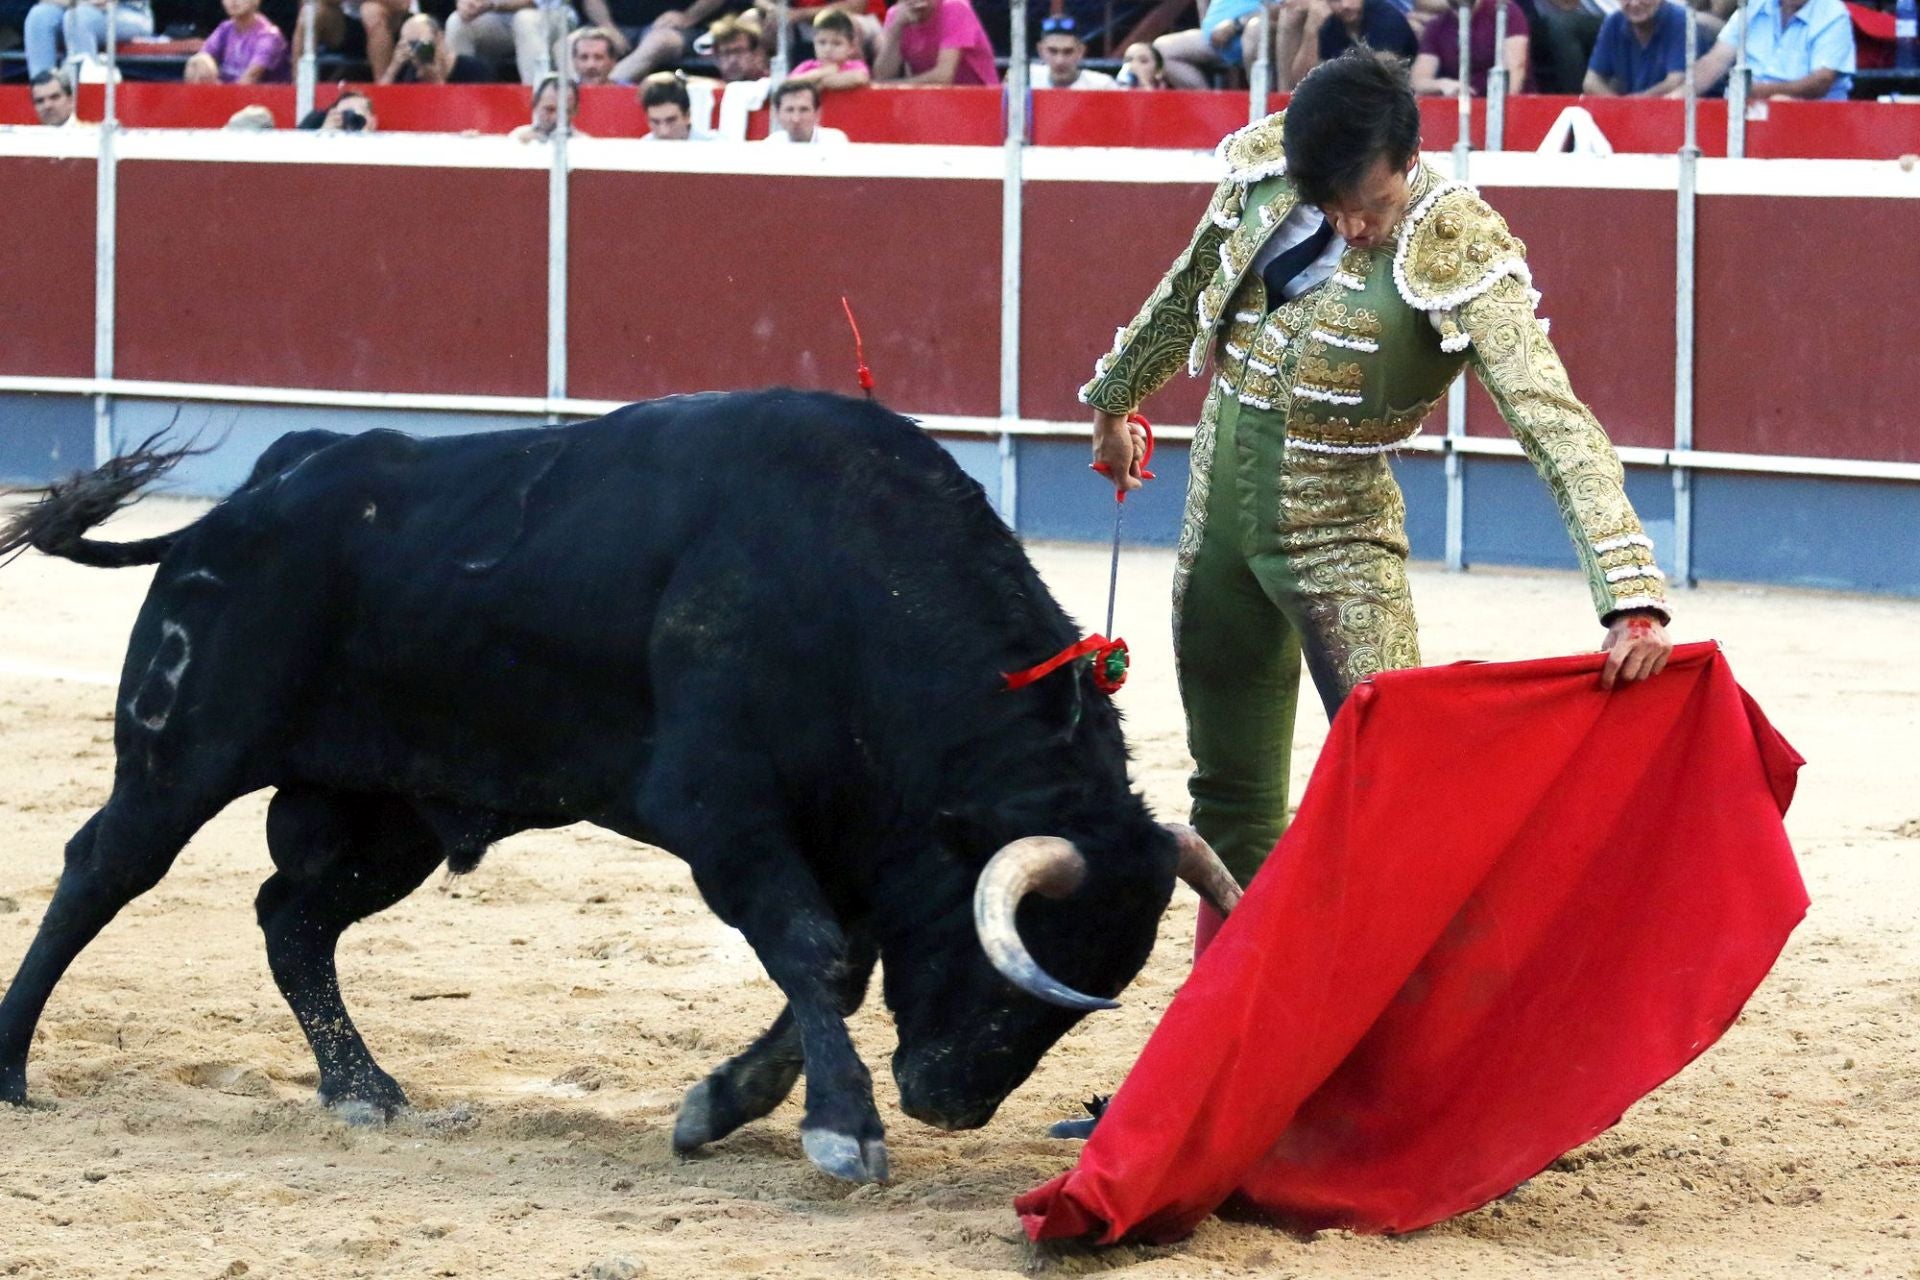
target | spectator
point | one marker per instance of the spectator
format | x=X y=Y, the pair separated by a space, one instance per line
x=425 y=56
x=802 y=13
x=1641 y=52
x=52 y=100
x=1316 y=31
x=659 y=36
x=524 y=31
x=1437 y=69
x=835 y=63
x=1194 y=56
x=252 y=118
x=669 y=108
x=1143 y=68
x=592 y=52
x=351 y=112
x=83 y=24
x=1564 y=35
x=1795 y=49
x=546 y=112
x=245 y=49
x=1063 y=55
x=737 y=54
x=355 y=29
x=935 y=42
x=796 y=115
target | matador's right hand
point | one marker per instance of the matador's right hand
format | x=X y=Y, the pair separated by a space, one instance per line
x=1121 y=445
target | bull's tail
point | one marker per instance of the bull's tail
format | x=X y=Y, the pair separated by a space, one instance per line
x=57 y=523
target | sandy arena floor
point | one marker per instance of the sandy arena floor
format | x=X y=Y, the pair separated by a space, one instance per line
x=547 y=1012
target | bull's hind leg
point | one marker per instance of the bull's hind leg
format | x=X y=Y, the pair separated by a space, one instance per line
x=120 y=853
x=340 y=859
x=754 y=1081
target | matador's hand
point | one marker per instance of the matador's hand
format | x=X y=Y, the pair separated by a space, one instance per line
x=1120 y=444
x=1636 y=647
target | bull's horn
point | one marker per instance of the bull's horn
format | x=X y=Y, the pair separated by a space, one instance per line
x=1046 y=865
x=1201 y=868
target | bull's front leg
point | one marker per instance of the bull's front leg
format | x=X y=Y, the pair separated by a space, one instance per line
x=754 y=1081
x=774 y=901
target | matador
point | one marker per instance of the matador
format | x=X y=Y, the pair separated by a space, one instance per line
x=1340 y=287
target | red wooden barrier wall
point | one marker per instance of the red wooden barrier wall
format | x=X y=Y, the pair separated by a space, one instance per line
x=404 y=278
x=974 y=117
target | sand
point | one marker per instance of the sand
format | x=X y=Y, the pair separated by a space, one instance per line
x=547 y=1012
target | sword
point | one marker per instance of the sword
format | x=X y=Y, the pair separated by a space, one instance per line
x=1119 y=510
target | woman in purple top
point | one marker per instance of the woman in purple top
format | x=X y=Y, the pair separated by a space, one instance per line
x=935 y=42
x=245 y=49
x=1437 y=69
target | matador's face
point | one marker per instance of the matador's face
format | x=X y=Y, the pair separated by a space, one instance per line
x=1365 y=217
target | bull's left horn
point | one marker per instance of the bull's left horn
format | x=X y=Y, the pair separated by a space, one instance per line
x=1046 y=865
x=1201 y=868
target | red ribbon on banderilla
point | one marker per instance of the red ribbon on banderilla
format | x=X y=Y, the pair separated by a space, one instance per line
x=1110 y=657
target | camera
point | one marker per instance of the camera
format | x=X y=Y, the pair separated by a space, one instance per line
x=352 y=121
x=423 y=51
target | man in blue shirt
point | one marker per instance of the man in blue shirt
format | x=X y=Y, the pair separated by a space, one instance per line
x=1641 y=52
x=1795 y=48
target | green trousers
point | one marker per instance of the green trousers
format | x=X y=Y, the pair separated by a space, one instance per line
x=1283 y=555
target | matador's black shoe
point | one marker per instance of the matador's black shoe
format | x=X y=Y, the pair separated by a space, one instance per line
x=1096 y=1107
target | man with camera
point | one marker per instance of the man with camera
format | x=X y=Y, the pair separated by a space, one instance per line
x=424 y=57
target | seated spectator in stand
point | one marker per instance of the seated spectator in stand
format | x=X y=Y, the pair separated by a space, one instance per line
x=1142 y=68
x=546 y=112
x=835 y=63
x=52 y=100
x=737 y=51
x=1063 y=55
x=1564 y=34
x=592 y=52
x=252 y=118
x=935 y=42
x=1437 y=69
x=800 y=19
x=796 y=117
x=1315 y=31
x=659 y=36
x=351 y=112
x=1641 y=52
x=497 y=31
x=83 y=25
x=1226 y=27
x=245 y=49
x=669 y=108
x=424 y=56
x=1795 y=49
x=355 y=29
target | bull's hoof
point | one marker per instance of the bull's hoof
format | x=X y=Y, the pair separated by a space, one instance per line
x=693 y=1127
x=849 y=1159
x=371 y=1099
x=13 y=1088
x=1083 y=1127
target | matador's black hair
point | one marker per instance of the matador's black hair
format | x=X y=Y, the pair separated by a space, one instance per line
x=1346 y=115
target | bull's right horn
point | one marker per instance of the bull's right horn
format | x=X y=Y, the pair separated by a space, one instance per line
x=1046 y=865
x=1201 y=868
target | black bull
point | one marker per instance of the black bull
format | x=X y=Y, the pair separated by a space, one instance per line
x=764 y=631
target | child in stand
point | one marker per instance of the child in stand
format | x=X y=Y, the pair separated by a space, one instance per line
x=245 y=49
x=835 y=63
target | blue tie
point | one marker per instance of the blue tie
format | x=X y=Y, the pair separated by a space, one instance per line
x=1291 y=262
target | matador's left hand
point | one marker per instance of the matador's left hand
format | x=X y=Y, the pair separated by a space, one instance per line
x=1636 y=646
